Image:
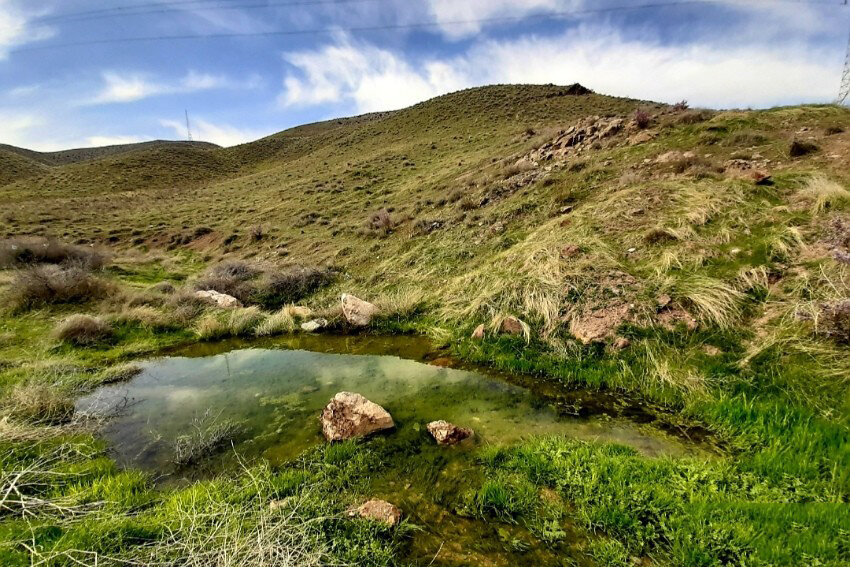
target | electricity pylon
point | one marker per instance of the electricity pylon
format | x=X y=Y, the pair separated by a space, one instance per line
x=189 y=130
x=844 y=90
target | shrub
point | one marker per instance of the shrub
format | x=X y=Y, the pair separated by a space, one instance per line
x=380 y=221
x=232 y=278
x=23 y=251
x=642 y=119
x=166 y=288
x=82 y=330
x=291 y=285
x=801 y=148
x=211 y=328
x=833 y=130
x=256 y=233
x=47 y=284
x=207 y=436
x=681 y=106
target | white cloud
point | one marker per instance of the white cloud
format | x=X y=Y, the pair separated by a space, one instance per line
x=17 y=27
x=15 y=126
x=716 y=75
x=221 y=134
x=460 y=18
x=130 y=87
x=97 y=141
x=373 y=78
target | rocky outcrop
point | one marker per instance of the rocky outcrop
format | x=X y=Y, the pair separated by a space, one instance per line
x=575 y=139
x=314 y=325
x=218 y=299
x=447 y=433
x=357 y=313
x=377 y=510
x=350 y=415
x=600 y=324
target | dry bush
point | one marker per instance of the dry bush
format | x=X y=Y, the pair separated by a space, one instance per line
x=799 y=148
x=243 y=320
x=82 y=330
x=291 y=285
x=712 y=300
x=380 y=221
x=165 y=288
x=210 y=327
x=642 y=119
x=208 y=434
x=48 y=284
x=24 y=251
x=833 y=130
x=186 y=306
x=40 y=403
x=680 y=106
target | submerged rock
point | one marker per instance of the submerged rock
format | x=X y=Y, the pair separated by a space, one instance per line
x=448 y=433
x=218 y=299
x=378 y=510
x=357 y=312
x=350 y=415
x=314 y=325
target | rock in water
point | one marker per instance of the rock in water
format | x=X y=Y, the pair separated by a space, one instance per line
x=350 y=415
x=314 y=325
x=219 y=299
x=378 y=510
x=357 y=312
x=448 y=433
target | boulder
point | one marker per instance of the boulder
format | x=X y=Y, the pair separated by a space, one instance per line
x=448 y=433
x=511 y=326
x=378 y=510
x=357 y=312
x=314 y=325
x=350 y=415
x=478 y=333
x=218 y=299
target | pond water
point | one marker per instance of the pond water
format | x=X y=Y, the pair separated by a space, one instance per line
x=274 y=391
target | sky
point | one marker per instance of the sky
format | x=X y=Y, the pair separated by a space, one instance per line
x=78 y=73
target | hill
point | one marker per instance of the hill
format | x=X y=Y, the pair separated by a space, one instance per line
x=65 y=157
x=694 y=259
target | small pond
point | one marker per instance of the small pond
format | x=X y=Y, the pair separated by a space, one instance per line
x=275 y=390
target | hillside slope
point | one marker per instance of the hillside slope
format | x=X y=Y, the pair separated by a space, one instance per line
x=65 y=157
x=697 y=260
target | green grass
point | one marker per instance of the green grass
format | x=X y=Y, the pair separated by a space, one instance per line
x=467 y=247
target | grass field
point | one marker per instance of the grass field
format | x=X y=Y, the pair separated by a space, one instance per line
x=700 y=261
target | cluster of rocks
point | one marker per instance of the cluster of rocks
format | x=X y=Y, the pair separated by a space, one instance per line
x=350 y=415
x=576 y=139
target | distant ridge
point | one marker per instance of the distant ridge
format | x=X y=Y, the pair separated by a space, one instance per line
x=65 y=157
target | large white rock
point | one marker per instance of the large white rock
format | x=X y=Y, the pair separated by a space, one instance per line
x=218 y=299
x=357 y=312
x=350 y=415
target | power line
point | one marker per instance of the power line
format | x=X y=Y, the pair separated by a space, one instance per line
x=390 y=27
x=182 y=6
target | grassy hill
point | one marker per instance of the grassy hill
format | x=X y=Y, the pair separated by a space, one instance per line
x=696 y=259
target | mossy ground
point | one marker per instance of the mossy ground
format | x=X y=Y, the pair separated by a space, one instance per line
x=754 y=264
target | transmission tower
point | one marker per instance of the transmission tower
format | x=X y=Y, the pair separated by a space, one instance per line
x=189 y=130
x=844 y=91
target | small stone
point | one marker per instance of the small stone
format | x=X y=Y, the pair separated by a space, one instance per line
x=663 y=300
x=447 y=433
x=621 y=343
x=378 y=510
x=478 y=333
x=314 y=325
x=511 y=326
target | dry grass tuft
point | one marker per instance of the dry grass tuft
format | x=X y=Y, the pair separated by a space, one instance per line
x=82 y=330
x=39 y=403
x=28 y=251
x=712 y=300
x=824 y=193
x=278 y=323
